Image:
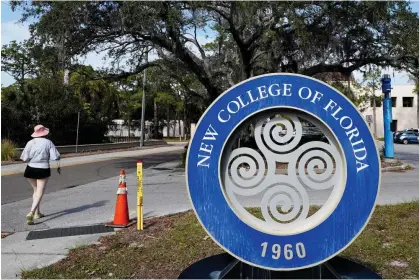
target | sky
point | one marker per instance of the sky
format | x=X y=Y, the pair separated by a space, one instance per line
x=12 y=30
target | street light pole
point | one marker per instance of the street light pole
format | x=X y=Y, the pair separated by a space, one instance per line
x=143 y=106
x=387 y=117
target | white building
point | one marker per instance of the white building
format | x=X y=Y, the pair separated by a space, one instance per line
x=404 y=109
x=120 y=129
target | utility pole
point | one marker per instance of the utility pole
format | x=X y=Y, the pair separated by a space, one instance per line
x=66 y=79
x=387 y=117
x=143 y=106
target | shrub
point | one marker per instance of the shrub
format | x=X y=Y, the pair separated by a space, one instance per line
x=8 y=149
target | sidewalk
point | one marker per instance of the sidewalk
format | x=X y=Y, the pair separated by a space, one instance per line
x=20 y=167
x=94 y=203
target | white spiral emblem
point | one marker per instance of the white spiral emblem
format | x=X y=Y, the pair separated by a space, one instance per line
x=252 y=176
x=316 y=167
x=279 y=134
x=246 y=171
x=293 y=204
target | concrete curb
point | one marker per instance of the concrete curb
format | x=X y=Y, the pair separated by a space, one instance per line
x=396 y=168
x=103 y=146
x=169 y=165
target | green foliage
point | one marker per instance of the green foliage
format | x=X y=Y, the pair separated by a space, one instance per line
x=17 y=60
x=252 y=38
x=47 y=101
x=8 y=150
x=98 y=97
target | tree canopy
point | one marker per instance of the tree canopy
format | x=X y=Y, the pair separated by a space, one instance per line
x=40 y=95
x=251 y=38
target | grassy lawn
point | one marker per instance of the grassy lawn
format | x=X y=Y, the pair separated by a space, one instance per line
x=170 y=244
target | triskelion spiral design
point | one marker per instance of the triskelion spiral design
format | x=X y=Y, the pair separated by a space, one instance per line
x=284 y=200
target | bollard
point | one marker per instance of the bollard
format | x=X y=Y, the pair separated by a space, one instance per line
x=140 y=195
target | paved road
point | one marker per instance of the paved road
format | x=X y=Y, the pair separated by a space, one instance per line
x=16 y=187
x=407 y=153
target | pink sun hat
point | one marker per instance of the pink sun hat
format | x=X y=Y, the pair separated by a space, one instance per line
x=40 y=131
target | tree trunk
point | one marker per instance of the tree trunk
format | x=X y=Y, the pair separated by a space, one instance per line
x=184 y=118
x=156 y=122
x=129 y=129
x=174 y=126
x=168 y=122
x=180 y=129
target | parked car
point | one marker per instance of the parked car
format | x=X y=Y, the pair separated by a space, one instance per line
x=416 y=130
x=309 y=133
x=406 y=137
x=312 y=133
x=396 y=135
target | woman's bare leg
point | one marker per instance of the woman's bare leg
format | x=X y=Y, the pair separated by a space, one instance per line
x=34 y=186
x=39 y=193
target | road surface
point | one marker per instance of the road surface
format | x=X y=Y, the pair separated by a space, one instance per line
x=407 y=153
x=16 y=187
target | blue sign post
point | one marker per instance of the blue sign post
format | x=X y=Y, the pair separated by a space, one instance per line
x=224 y=179
x=387 y=117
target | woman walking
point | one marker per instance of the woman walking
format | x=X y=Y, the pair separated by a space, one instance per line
x=38 y=151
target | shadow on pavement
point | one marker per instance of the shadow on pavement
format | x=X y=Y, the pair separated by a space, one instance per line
x=74 y=210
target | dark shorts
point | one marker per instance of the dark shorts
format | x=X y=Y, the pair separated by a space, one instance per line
x=37 y=173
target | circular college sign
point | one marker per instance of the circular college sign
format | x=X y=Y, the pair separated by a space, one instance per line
x=264 y=153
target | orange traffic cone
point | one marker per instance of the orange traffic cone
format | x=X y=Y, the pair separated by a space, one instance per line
x=121 y=217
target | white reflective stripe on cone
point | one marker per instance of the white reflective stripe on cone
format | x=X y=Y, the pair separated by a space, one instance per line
x=121 y=191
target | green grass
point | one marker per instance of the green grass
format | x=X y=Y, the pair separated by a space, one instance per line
x=8 y=150
x=380 y=138
x=76 y=247
x=170 y=244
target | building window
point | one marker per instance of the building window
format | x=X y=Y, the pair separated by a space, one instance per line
x=393 y=101
x=407 y=101
x=377 y=101
x=393 y=126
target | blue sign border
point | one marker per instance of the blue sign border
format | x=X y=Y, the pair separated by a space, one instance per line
x=322 y=242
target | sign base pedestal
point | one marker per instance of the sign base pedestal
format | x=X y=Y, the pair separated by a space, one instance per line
x=224 y=266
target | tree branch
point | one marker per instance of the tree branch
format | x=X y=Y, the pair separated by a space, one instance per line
x=123 y=74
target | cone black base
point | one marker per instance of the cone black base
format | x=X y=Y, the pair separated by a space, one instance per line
x=110 y=224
